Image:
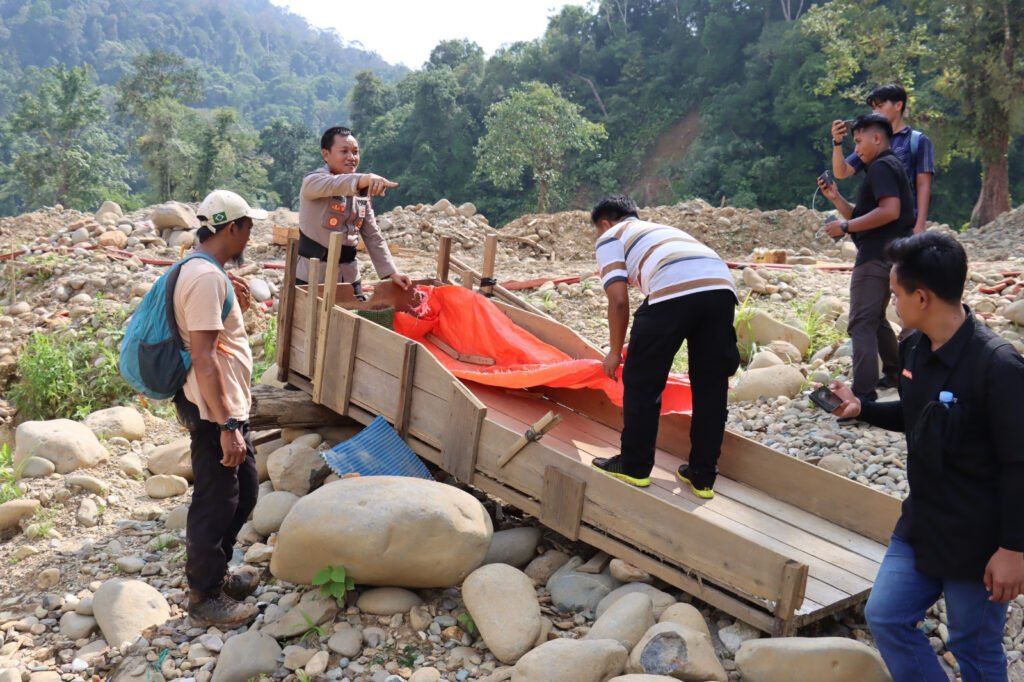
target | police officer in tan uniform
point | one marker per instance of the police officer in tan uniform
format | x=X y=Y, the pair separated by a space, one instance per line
x=335 y=198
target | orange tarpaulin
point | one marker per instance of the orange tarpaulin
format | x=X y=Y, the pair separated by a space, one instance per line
x=472 y=325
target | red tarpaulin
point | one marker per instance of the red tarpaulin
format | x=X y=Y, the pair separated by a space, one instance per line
x=472 y=325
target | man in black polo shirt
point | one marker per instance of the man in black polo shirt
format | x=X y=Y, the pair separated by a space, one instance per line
x=884 y=211
x=961 y=533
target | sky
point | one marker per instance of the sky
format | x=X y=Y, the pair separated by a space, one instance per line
x=405 y=31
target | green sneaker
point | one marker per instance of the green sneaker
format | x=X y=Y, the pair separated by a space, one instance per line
x=700 y=486
x=613 y=467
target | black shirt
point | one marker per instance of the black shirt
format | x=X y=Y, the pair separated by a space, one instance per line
x=885 y=178
x=966 y=483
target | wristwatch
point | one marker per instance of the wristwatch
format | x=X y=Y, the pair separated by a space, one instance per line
x=837 y=144
x=844 y=226
x=231 y=424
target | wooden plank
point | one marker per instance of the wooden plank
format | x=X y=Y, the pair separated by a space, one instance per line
x=405 y=393
x=487 y=282
x=327 y=304
x=444 y=254
x=499 y=291
x=286 y=311
x=462 y=433
x=794 y=579
x=277 y=408
x=312 y=311
x=385 y=349
x=375 y=390
x=561 y=507
x=550 y=332
x=336 y=387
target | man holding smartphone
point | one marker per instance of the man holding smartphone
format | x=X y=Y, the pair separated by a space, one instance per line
x=961 y=533
x=913 y=148
x=883 y=213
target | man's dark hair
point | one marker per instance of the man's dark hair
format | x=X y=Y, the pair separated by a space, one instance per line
x=890 y=92
x=614 y=208
x=327 y=139
x=930 y=260
x=868 y=121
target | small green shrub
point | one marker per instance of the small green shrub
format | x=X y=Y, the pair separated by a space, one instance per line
x=820 y=330
x=334 y=581
x=9 y=475
x=269 y=356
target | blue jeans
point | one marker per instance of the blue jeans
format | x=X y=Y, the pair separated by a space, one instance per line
x=898 y=602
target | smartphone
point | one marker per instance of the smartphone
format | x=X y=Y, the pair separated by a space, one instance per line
x=825 y=399
x=826 y=177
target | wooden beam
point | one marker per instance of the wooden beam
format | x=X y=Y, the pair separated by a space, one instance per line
x=330 y=288
x=487 y=271
x=277 y=408
x=312 y=310
x=561 y=505
x=444 y=254
x=500 y=291
x=794 y=584
x=462 y=434
x=350 y=325
x=405 y=394
x=286 y=312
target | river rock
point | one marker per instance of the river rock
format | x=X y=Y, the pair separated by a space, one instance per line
x=515 y=547
x=313 y=607
x=660 y=600
x=432 y=534
x=174 y=215
x=678 y=652
x=125 y=422
x=347 y=641
x=503 y=604
x=571 y=660
x=271 y=510
x=108 y=212
x=837 y=464
x=163 y=486
x=767 y=382
x=75 y=626
x=88 y=514
x=755 y=281
x=686 y=615
x=625 y=621
x=113 y=238
x=37 y=467
x=177 y=518
x=642 y=678
x=628 y=573
x=13 y=511
x=1015 y=312
x=124 y=608
x=68 y=444
x=247 y=656
x=543 y=567
x=785 y=351
x=292 y=466
x=259 y=289
x=573 y=590
x=762 y=329
x=263 y=452
x=86 y=482
x=131 y=465
x=829 y=659
x=733 y=636
x=174 y=459
x=764 y=358
x=828 y=307
x=387 y=601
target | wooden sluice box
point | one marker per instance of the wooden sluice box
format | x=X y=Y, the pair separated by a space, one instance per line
x=782 y=544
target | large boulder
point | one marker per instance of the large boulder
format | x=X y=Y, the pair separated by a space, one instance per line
x=66 y=443
x=125 y=422
x=679 y=652
x=625 y=621
x=174 y=216
x=173 y=459
x=767 y=382
x=572 y=660
x=385 y=530
x=515 y=546
x=248 y=656
x=504 y=607
x=761 y=328
x=109 y=212
x=824 y=659
x=293 y=467
x=271 y=510
x=686 y=615
x=124 y=608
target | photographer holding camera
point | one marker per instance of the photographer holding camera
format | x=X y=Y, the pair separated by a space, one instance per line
x=884 y=212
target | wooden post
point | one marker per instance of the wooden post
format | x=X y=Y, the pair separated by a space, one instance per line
x=462 y=433
x=444 y=254
x=311 y=314
x=405 y=393
x=487 y=275
x=561 y=507
x=286 y=313
x=794 y=582
x=330 y=290
x=539 y=428
x=349 y=342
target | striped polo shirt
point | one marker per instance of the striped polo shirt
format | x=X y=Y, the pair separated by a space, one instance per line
x=663 y=262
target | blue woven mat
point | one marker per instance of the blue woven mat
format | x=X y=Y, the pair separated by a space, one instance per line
x=377 y=450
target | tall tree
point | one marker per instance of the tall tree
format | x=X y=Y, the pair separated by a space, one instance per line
x=59 y=153
x=534 y=129
x=155 y=76
x=292 y=150
x=371 y=98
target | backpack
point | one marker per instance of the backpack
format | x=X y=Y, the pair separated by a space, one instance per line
x=153 y=356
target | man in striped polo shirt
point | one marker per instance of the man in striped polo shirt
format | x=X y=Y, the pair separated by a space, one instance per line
x=690 y=296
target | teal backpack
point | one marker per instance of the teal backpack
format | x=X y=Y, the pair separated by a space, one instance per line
x=153 y=356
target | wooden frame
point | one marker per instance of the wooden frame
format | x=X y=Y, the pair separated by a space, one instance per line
x=783 y=543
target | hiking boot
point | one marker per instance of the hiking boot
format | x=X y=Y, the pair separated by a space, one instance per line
x=700 y=484
x=219 y=609
x=613 y=467
x=240 y=585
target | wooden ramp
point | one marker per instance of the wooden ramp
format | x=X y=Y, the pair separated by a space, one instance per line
x=782 y=544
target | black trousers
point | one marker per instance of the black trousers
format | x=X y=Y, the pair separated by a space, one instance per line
x=705 y=321
x=869 y=330
x=222 y=499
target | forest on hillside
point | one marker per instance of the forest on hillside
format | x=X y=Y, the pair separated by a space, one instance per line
x=666 y=99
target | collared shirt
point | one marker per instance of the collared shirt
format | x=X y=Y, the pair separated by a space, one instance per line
x=663 y=262
x=922 y=162
x=966 y=494
x=885 y=178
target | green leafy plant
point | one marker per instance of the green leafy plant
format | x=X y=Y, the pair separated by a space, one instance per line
x=302 y=675
x=269 y=337
x=465 y=621
x=407 y=658
x=334 y=581
x=817 y=327
x=9 y=475
x=313 y=630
